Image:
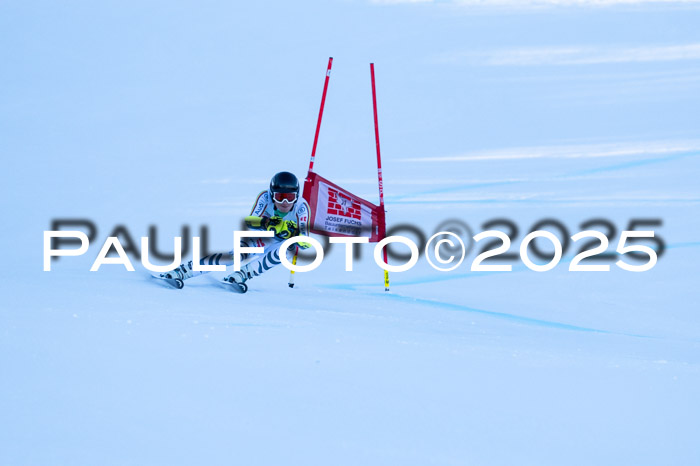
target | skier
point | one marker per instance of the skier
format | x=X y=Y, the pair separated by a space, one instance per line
x=278 y=209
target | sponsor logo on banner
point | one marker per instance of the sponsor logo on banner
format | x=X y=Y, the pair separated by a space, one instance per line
x=341 y=213
x=342 y=205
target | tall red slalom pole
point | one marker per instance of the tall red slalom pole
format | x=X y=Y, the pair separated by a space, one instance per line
x=307 y=181
x=382 y=212
x=320 y=115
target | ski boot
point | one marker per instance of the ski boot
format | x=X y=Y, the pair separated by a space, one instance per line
x=177 y=276
x=237 y=280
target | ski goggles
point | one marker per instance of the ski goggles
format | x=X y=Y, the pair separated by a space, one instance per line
x=285 y=198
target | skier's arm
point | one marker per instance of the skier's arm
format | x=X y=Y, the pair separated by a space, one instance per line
x=264 y=223
x=303 y=223
x=257 y=218
x=303 y=218
x=283 y=228
x=260 y=204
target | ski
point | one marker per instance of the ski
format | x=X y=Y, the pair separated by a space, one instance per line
x=173 y=282
x=237 y=287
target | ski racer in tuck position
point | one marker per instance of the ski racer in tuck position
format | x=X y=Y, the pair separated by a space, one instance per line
x=279 y=209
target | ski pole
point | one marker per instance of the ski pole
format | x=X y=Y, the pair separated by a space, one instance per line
x=291 y=272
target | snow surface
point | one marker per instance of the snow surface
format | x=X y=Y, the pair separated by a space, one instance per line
x=176 y=123
x=448 y=368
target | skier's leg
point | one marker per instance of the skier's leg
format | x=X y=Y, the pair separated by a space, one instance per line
x=257 y=264
x=186 y=271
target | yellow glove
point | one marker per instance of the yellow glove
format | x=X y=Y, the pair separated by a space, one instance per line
x=265 y=223
x=283 y=228
x=286 y=229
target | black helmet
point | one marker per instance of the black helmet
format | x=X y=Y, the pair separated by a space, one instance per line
x=284 y=182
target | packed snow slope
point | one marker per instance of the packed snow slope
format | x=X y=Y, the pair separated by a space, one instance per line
x=460 y=367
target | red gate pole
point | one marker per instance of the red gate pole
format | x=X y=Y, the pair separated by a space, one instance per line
x=307 y=181
x=320 y=114
x=382 y=212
